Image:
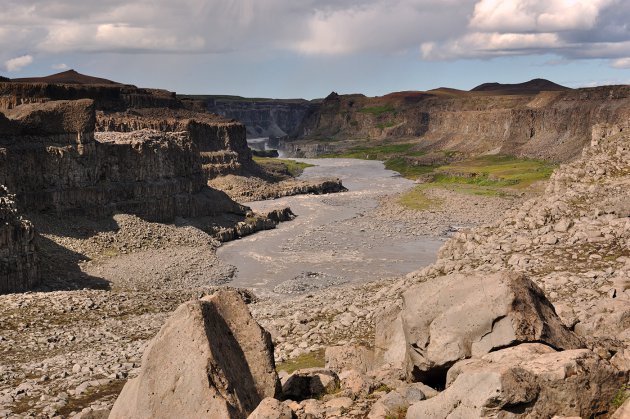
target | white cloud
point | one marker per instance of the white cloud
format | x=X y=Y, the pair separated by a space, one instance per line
x=621 y=63
x=17 y=63
x=440 y=29
x=536 y=15
x=60 y=66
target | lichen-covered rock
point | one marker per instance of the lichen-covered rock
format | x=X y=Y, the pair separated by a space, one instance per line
x=349 y=357
x=526 y=381
x=211 y=359
x=459 y=316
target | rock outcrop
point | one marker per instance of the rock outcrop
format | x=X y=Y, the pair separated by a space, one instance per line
x=210 y=360
x=53 y=162
x=529 y=380
x=457 y=317
x=18 y=254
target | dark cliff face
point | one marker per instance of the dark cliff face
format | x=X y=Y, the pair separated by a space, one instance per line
x=264 y=117
x=73 y=171
x=553 y=125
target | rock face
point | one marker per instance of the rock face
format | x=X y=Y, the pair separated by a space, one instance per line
x=458 y=317
x=125 y=108
x=553 y=125
x=220 y=141
x=52 y=161
x=210 y=360
x=529 y=380
x=263 y=118
x=18 y=255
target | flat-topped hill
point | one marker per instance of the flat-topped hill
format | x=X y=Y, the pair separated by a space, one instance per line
x=528 y=87
x=66 y=77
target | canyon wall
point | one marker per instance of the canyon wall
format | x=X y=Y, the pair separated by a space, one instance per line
x=18 y=255
x=125 y=108
x=53 y=161
x=553 y=125
x=262 y=117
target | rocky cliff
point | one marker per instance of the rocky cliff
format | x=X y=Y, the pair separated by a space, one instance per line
x=126 y=108
x=553 y=125
x=18 y=255
x=53 y=161
x=262 y=117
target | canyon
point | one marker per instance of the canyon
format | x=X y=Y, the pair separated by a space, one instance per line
x=117 y=201
x=536 y=119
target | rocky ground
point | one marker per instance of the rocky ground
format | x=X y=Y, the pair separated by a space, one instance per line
x=74 y=343
x=252 y=188
x=66 y=350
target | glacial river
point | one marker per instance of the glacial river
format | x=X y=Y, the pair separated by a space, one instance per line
x=334 y=239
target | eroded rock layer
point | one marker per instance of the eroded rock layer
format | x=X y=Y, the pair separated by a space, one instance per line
x=18 y=256
x=62 y=168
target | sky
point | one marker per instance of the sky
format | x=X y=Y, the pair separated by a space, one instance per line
x=308 y=48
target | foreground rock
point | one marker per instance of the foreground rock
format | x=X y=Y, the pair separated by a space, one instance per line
x=210 y=359
x=457 y=317
x=529 y=380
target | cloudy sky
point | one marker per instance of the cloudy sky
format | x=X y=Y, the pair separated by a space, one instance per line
x=307 y=48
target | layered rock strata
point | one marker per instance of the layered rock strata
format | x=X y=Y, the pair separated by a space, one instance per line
x=52 y=161
x=18 y=254
x=553 y=125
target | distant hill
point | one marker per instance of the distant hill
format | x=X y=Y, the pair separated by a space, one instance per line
x=67 y=77
x=532 y=86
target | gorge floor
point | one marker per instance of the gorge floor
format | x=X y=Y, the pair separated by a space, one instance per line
x=65 y=350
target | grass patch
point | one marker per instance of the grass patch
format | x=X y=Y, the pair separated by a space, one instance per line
x=314 y=359
x=295 y=168
x=410 y=171
x=379 y=152
x=498 y=171
x=378 y=110
x=417 y=199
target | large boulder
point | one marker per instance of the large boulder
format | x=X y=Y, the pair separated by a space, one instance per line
x=526 y=381
x=211 y=359
x=461 y=316
x=389 y=339
x=349 y=357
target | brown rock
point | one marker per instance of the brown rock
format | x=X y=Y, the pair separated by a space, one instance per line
x=461 y=316
x=271 y=408
x=528 y=380
x=211 y=359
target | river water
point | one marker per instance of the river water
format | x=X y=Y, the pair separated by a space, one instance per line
x=335 y=238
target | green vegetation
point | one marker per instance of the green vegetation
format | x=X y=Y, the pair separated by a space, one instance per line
x=378 y=110
x=484 y=176
x=620 y=397
x=386 y=125
x=295 y=168
x=310 y=360
x=379 y=152
x=417 y=199
x=400 y=413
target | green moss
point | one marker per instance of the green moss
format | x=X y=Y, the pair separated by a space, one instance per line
x=410 y=171
x=310 y=360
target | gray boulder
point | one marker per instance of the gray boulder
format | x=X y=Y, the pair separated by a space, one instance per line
x=349 y=357
x=309 y=383
x=461 y=316
x=271 y=408
x=527 y=381
x=210 y=359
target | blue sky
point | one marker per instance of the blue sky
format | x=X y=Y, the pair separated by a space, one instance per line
x=308 y=48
